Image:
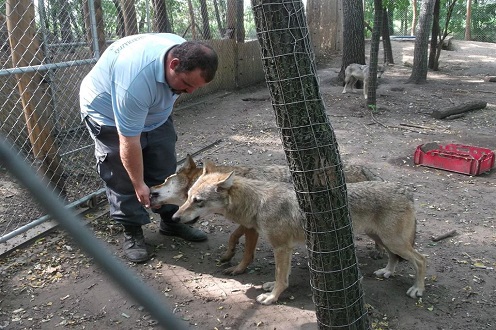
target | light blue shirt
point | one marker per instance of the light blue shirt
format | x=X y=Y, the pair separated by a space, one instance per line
x=127 y=88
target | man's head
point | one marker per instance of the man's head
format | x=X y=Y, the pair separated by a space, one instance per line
x=189 y=66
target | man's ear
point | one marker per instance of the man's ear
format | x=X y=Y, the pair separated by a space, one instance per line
x=173 y=64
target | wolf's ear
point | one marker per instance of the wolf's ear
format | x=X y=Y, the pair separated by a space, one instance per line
x=208 y=166
x=189 y=163
x=226 y=182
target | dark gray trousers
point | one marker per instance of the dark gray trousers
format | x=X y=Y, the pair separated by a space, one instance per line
x=159 y=161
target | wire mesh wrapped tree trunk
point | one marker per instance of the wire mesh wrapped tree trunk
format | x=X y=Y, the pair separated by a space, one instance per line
x=312 y=154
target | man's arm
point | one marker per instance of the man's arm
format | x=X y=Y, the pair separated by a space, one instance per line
x=132 y=159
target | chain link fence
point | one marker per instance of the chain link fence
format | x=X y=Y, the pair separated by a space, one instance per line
x=46 y=49
x=48 y=46
x=482 y=19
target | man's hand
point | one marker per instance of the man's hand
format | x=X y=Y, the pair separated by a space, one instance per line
x=143 y=194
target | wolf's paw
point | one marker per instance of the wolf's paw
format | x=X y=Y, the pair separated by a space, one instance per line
x=227 y=256
x=343 y=92
x=383 y=272
x=235 y=270
x=415 y=292
x=266 y=298
x=268 y=286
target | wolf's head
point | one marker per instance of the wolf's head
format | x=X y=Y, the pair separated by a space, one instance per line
x=208 y=195
x=174 y=190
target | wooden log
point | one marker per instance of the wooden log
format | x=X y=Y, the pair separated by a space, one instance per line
x=490 y=79
x=443 y=236
x=469 y=106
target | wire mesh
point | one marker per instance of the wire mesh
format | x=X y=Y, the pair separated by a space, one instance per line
x=481 y=19
x=48 y=47
x=93 y=247
x=312 y=153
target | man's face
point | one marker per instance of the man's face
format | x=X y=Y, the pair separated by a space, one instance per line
x=183 y=82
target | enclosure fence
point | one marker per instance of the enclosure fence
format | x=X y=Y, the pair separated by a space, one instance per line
x=46 y=49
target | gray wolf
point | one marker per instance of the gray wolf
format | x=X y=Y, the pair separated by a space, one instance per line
x=174 y=190
x=384 y=211
x=355 y=72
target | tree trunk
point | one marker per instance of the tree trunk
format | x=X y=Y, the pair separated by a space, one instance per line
x=386 y=38
x=468 y=21
x=192 y=21
x=311 y=149
x=414 y=17
x=230 y=19
x=419 y=69
x=130 y=20
x=205 y=21
x=34 y=90
x=65 y=21
x=374 y=55
x=353 y=35
x=100 y=28
x=434 y=36
x=161 y=21
x=222 y=30
x=240 y=26
x=120 y=29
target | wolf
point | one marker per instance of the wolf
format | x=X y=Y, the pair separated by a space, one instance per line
x=355 y=72
x=175 y=188
x=382 y=210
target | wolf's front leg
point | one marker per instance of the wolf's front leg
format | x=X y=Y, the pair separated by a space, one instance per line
x=283 y=268
x=251 y=238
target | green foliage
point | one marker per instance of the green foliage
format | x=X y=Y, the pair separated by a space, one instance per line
x=483 y=18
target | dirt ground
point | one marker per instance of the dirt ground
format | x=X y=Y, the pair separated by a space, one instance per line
x=51 y=284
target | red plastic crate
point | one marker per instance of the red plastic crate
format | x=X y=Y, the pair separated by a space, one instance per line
x=457 y=158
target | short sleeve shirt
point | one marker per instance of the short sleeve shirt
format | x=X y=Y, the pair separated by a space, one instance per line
x=127 y=87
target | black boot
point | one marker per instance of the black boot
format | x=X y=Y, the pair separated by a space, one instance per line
x=134 y=246
x=171 y=228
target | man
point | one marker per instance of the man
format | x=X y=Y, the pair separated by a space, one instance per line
x=126 y=103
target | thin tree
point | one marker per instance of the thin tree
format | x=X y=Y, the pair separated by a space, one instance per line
x=374 y=54
x=438 y=36
x=386 y=38
x=434 y=34
x=130 y=20
x=240 y=26
x=414 y=17
x=220 y=24
x=161 y=22
x=419 y=69
x=231 y=7
x=468 y=21
x=311 y=151
x=100 y=27
x=205 y=20
x=192 y=21
x=353 y=35
x=120 y=29
x=65 y=21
